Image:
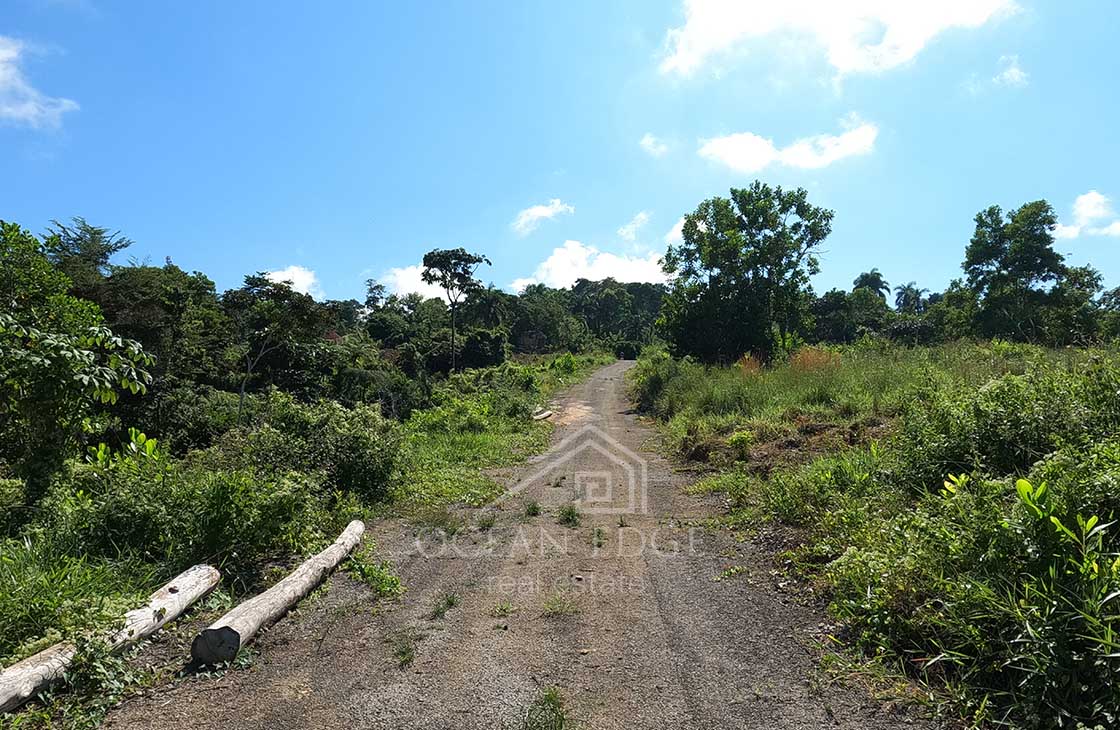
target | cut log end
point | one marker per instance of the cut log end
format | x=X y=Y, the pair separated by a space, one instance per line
x=216 y=645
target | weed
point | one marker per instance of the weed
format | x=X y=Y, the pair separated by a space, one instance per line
x=598 y=537
x=503 y=608
x=486 y=522
x=532 y=508
x=568 y=515
x=547 y=712
x=731 y=572
x=621 y=521
x=560 y=603
x=404 y=650
x=377 y=574
x=446 y=603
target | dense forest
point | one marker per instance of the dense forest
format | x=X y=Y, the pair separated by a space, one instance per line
x=148 y=421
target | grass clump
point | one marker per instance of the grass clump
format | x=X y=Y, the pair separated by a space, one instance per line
x=568 y=515
x=443 y=605
x=547 y=712
x=532 y=508
x=559 y=604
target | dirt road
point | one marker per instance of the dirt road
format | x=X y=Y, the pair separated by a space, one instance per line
x=626 y=614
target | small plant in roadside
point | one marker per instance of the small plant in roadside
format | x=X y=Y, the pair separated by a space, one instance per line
x=486 y=522
x=404 y=650
x=731 y=572
x=532 y=508
x=568 y=515
x=503 y=608
x=547 y=712
x=598 y=537
x=449 y=601
x=377 y=574
x=621 y=521
x=559 y=604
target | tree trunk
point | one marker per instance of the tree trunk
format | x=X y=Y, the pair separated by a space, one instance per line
x=23 y=680
x=221 y=641
x=452 y=338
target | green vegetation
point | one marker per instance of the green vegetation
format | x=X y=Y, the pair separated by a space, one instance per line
x=560 y=603
x=742 y=284
x=568 y=515
x=443 y=605
x=148 y=422
x=547 y=712
x=532 y=508
x=957 y=501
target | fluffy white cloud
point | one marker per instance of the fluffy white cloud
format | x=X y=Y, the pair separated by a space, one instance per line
x=747 y=152
x=676 y=233
x=1090 y=211
x=855 y=35
x=302 y=280
x=20 y=102
x=1011 y=73
x=629 y=232
x=574 y=261
x=527 y=220
x=654 y=146
x=407 y=280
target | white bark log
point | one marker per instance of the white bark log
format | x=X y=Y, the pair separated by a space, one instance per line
x=23 y=680
x=221 y=641
x=542 y=415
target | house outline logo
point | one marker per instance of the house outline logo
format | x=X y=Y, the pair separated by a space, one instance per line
x=590 y=484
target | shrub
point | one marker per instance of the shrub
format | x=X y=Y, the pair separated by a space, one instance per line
x=812 y=359
x=353 y=449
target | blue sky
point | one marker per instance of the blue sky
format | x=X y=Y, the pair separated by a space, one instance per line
x=339 y=142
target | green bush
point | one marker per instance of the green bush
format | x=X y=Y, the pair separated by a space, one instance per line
x=353 y=449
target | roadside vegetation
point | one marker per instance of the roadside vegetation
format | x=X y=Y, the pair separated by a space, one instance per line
x=942 y=470
x=148 y=423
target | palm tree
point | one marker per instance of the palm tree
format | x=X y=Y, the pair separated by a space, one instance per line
x=908 y=298
x=874 y=281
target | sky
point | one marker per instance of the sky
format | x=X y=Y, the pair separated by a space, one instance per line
x=331 y=143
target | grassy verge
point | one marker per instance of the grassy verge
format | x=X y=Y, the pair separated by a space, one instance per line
x=959 y=515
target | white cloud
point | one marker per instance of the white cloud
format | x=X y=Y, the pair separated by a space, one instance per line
x=1011 y=73
x=527 y=220
x=629 y=232
x=747 y=152
x=676 y=233
x=574 y=261
x=20 y=102
x=302 y=280
x=1090 y=210
x=855 y=35
x=407 y=280
x=654 y=146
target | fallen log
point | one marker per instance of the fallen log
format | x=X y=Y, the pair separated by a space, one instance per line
x=25 y=679
x=542 y=415
x=221 y=641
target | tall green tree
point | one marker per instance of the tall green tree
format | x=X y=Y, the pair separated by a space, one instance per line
x=82 y=252
x=1011 y=265
x=268 y=317
x=874 y=281
x=741 y=274
x=453 y=271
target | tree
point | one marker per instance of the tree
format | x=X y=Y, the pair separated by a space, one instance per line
x=268 y=316
x=453 y=271
x=82 y=252
x=1010 y=263
x=741 y=273
x=874 y=281
x=908 y=298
